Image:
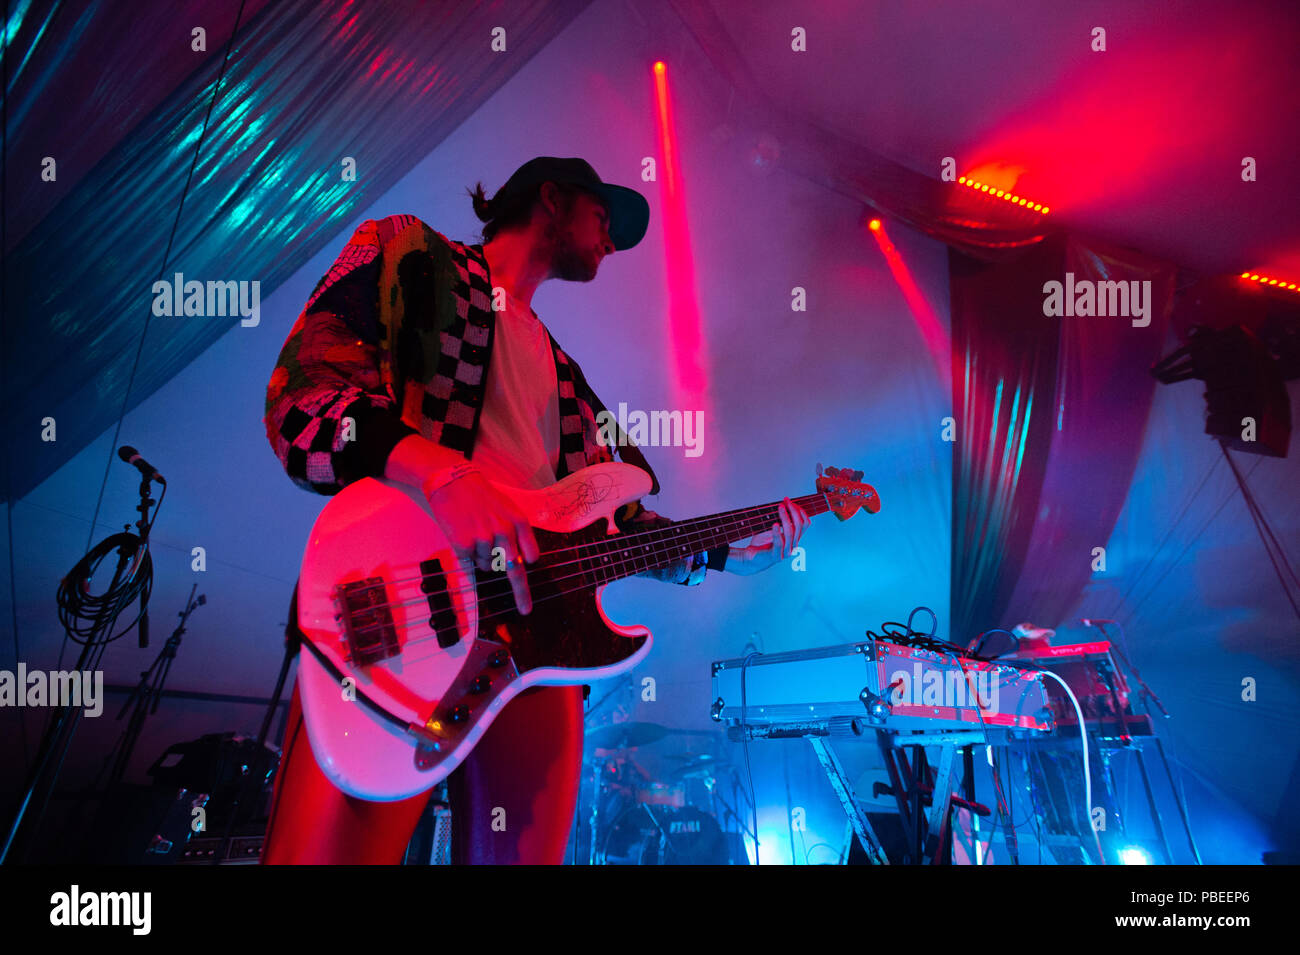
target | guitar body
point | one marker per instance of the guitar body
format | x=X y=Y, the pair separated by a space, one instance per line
x=437 y=644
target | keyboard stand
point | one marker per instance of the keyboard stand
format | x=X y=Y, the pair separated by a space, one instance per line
x=914 y=783
x=848 y=799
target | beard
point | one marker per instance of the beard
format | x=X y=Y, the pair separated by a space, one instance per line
x=568 y=262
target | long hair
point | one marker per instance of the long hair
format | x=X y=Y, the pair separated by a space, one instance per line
x=498 y=213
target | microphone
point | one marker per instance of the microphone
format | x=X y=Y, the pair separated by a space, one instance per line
x=131 y=456
x=1093 y=621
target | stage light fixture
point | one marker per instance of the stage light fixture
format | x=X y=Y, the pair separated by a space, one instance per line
x=1244 y=374
x=1004 y=194
x=1270 y=281
x=1134 y=855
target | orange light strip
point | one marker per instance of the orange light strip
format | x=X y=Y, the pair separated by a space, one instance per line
x=1265 y=280
x=1004 y=195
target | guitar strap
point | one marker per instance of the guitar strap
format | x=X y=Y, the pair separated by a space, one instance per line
x=628 y=451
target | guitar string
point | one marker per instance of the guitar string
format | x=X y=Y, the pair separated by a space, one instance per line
x=491 y=591
x=619 y=547
x=623 y=539
x=619 y=564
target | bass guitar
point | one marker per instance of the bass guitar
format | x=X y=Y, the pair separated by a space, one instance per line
x=409 y=653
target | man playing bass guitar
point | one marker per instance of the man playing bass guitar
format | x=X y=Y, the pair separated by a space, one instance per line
x=419 y=359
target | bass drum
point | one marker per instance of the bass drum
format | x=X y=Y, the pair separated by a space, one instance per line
x=683 y=836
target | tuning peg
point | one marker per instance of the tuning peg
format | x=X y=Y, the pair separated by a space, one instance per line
x=857 y=475
x=819 y=469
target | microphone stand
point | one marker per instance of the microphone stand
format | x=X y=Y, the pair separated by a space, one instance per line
x=1149 y=697
x=737 y=790
x=57 y=738
x=148 y=692
x=1148 y=694
x=597 y=778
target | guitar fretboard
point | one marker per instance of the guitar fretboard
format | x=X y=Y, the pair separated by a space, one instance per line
x=636 y=551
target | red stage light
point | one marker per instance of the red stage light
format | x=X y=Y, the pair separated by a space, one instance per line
x=686 y=345
x=1265 y=280
x=928 y=325
x=1003 y=194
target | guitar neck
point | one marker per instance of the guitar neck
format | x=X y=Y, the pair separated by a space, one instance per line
x=635 y=551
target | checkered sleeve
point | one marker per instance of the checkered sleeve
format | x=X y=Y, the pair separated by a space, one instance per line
x=330 y=417
x=688 y=571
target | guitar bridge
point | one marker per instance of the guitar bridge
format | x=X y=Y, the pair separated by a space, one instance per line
x=368 y=628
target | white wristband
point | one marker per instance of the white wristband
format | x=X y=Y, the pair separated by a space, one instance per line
x=440 y=479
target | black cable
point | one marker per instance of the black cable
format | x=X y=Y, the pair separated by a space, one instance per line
x=1011 y=788
x=1275 y=552
x=974 y=652
x=1038 y=817
x=988 y=741
x=1208 y=521
x=171 y=238
x=4 y=363
x=76 y=602
x=928 y=642
x=934 y=620
x=816 y=845
x=1159 y=547
x=744 y=742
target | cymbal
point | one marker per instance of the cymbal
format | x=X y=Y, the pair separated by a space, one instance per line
x=700 y=764
x=690 y=757
x=626 y=735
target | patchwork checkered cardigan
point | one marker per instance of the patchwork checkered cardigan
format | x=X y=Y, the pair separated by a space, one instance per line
x=397 y=336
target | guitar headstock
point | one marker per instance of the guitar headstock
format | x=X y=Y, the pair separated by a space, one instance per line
x=845 y=493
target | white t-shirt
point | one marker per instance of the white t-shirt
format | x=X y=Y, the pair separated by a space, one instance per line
x=518 y=439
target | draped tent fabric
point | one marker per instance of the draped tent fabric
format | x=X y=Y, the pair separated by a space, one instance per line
x=307 y=87
x=1004 y=375
x=1103 y=396
x=130 y=52
x=1051 y=416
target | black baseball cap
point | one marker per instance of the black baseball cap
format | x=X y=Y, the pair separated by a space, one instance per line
x=629 y=213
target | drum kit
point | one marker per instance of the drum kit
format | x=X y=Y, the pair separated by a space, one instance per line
x=629 y=817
